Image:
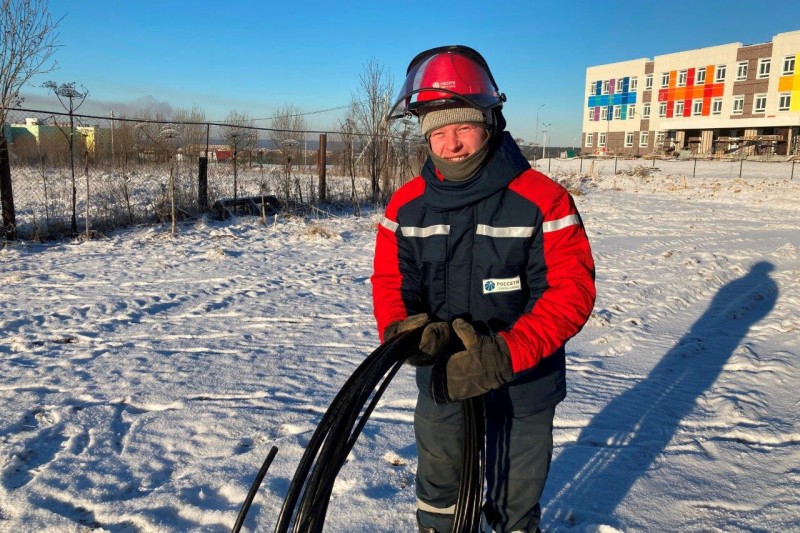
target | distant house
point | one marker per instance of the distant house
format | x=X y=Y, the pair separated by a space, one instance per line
x=221 y=155
x=33 y=139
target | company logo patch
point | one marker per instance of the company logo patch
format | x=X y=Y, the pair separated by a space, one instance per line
x=447 y=84
x=501 y=285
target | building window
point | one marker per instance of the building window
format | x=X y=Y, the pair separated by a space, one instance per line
x=760 y=103
x=697 y=107
x=601 y=140
x=716 y=106
x=628 y=138
x=682 y=78
x=603 y=113
x=591 y=89
x=738 y=105
x=633 y=84
x=619 y=85
x=660 y=136
x=719 y=73
x=617 y=112
x=648 y=82
x=591 y=114
x=784 y=101
x=662 y=109
x=589 y=139
x=678 y=111
x=664 y=80
x=631 y=111
x=741 y=71
x=763 y=68
x=788 y=65
x=700 y=76
x=644 y=138
x=646 y=110
x=605 y=87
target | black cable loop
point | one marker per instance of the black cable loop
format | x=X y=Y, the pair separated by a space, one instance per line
x=307 y=499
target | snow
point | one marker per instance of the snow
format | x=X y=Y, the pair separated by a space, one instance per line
x=144 y=377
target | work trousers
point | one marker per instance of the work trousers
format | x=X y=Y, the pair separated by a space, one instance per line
x=519 y=448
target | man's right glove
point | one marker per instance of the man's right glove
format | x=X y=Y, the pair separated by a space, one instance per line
x=433 y=342
x=484 y=365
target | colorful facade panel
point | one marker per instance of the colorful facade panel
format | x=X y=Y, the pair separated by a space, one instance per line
x=622 y=98
x=690 y=91
x=791 y=84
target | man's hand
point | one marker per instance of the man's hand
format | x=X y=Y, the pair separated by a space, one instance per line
x=484 y=365
x=433 y=342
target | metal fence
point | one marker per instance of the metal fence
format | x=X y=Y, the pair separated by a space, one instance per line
x=76 y=174
x=73 y=173
x=746 y=167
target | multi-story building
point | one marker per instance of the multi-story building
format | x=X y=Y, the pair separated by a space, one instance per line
x=731 y=99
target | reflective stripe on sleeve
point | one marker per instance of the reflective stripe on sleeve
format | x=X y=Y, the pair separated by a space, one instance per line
x=422 y=506
x=429 y=231
x=561 y=223
x=391 y=225
x=512 y=231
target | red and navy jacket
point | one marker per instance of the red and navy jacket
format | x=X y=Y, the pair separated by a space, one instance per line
x=506 y=250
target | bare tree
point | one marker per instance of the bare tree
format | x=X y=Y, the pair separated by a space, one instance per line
x=241 y=137
x=28 y=39
x=71 y=99
x=369 y=108
x=408 y=150
x=347 y=133
x=192 y=129
x=288 y=135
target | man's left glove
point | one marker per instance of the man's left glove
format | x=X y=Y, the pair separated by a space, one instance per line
x=433 y=342
x=484 y=365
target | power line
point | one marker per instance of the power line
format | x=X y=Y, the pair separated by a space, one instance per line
x=303 y=114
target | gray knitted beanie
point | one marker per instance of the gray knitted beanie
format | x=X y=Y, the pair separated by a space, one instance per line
x=450 y=115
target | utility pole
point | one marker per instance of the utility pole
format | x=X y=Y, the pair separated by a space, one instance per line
x=536 y=140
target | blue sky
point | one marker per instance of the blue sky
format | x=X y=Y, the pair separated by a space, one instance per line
x=255 y=57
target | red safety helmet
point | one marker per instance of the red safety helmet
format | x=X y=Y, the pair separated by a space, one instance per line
x=444 y=76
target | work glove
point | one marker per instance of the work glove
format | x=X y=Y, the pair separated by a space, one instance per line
x=483 y=365
x=433 y=341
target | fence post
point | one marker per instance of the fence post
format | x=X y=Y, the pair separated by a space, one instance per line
x=322 y=164
x=88 y=202
x=792 y=176
x=580 y=168
x=202 y=183
x=6 y=194
x=741 y=164
x=202 y=176
x=615 y=164
x=694 y=169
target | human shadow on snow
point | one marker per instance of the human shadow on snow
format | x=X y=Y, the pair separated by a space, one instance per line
x=591 y=477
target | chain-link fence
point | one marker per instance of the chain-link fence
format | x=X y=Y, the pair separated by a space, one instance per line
x=76 y=173
x=787 y=167
x=79 y=173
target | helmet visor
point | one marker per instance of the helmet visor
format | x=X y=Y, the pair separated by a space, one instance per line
x=446 y=78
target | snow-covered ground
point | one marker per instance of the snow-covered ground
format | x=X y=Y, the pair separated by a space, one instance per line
x=144 y=377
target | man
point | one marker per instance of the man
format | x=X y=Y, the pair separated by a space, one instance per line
x=490 y=255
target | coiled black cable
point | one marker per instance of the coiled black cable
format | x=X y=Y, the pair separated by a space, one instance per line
x=473 y=468
x=338 y=430
x=335 y=433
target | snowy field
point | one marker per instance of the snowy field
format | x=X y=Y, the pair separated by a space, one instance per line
x=144 y=377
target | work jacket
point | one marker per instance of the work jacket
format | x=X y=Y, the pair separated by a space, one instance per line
x=505 y=250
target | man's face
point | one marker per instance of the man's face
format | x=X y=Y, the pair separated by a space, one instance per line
x=456 y=142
